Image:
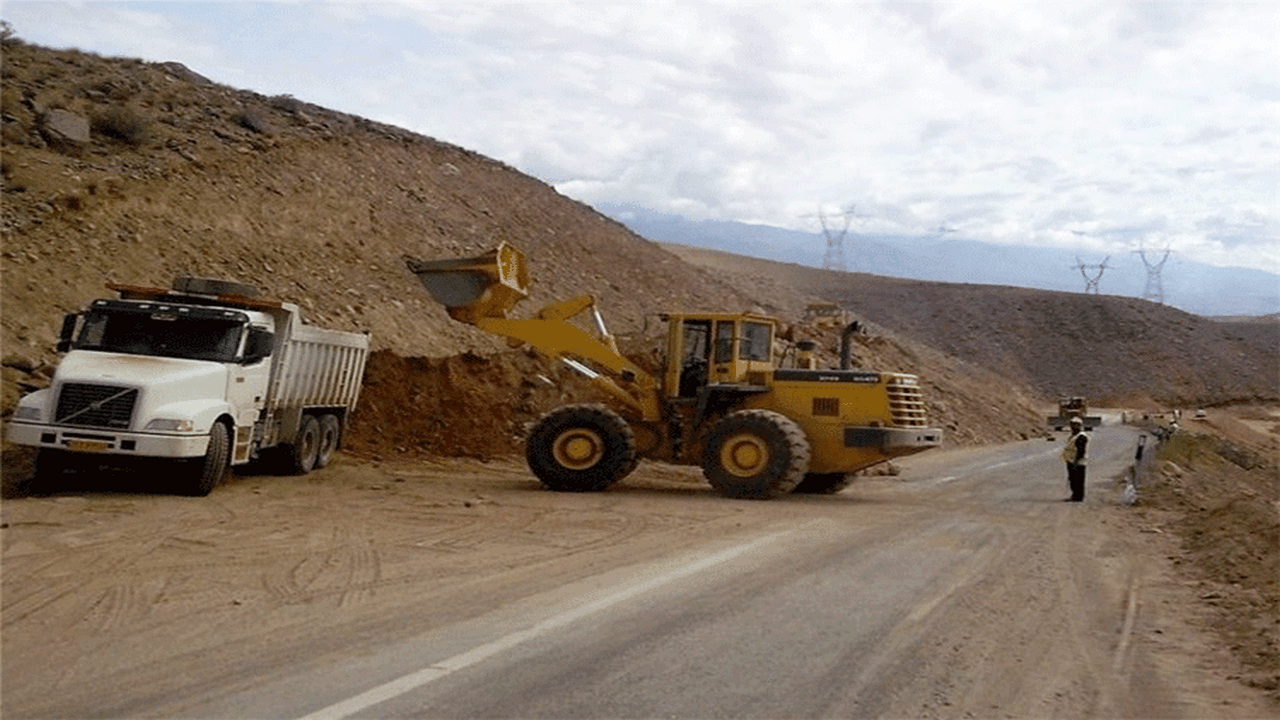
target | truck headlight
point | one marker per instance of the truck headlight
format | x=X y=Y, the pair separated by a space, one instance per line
x=170 y=425
x=29 y=414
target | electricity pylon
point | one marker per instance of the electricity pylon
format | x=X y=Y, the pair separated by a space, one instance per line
x=834 y=257
x=1091 y=283
x=1154 y=289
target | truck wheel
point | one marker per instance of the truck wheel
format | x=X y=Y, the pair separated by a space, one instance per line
x=46 y=475
x=755 y=454
x=303 y=451
x=581 y=448
x=210 y=469
x=330 y=435
x=824 y=483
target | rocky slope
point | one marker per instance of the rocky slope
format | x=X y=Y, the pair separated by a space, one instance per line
x=122 y=170
x=1116 y=350
x=126 y=171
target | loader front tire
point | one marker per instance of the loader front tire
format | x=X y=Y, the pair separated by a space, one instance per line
x=824 y=483
x=581 y=448
x=755 y=454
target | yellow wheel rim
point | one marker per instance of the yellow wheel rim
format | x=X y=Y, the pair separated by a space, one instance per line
x=578 y=448
x=744 y=455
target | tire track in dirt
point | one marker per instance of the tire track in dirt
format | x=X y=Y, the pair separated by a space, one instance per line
x=351 y=566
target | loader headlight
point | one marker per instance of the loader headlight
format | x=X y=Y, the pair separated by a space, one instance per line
x=170 y=425
x=29 y=414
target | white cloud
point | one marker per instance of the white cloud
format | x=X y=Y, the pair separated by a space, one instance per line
x=1013 y=122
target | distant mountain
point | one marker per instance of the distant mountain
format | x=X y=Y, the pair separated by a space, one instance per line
x=1198 y=288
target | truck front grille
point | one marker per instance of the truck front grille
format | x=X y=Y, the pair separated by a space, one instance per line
x=104 y=406
x=906 y=403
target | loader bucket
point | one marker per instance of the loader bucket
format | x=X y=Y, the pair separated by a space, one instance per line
x=488 y=285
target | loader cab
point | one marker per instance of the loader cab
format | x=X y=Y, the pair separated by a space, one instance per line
x=717 y=349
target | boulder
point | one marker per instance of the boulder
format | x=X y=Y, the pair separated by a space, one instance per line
x=65 y=131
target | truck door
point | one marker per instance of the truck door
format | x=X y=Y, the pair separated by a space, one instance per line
x=247 y=392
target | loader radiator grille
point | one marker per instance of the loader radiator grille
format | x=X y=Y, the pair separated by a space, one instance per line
x=906 y=403
x=104 y=406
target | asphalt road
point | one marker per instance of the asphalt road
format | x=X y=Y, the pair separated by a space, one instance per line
x=967 y=588
x=459 y=589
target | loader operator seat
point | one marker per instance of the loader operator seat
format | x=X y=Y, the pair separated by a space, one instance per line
x=694 y=364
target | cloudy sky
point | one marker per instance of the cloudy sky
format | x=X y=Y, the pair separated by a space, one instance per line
x=1093 y=126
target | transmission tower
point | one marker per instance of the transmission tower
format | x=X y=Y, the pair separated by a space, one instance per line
x=1091 y=283
x=1154 y=289
x=834 y=259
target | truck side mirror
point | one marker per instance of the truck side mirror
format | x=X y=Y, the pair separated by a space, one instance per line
x=258 y=345
x=67 y=332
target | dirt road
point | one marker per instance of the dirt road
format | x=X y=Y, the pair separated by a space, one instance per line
x=971 y=591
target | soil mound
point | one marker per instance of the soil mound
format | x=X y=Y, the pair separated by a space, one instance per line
x=465 y=405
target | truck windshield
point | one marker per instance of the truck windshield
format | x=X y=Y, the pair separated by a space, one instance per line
x=161 y=333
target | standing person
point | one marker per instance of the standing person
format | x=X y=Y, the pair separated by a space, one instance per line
x=1073 y=454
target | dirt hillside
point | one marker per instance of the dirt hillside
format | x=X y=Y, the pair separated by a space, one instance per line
x=170 y=174
x=122 y=170
x=1118 y=351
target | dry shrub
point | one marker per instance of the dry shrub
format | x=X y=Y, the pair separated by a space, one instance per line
x=286 y=103
x=123 y=124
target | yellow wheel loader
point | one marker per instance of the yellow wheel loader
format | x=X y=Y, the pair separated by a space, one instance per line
x=720 y=401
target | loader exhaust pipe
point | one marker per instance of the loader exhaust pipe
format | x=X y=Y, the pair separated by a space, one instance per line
x=846 y=345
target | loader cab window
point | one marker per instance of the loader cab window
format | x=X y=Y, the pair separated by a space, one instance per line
x=695 y=349
x=757 y=341
x=724 y=342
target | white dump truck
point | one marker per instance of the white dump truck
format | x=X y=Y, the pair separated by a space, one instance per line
x=206 y=374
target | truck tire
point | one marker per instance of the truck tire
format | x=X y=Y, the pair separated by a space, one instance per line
x=581 y=448
x=755 y=454
x=46 y=474
x=209 y=470
x=824 y=483
x=301 y=454
x=330 y=438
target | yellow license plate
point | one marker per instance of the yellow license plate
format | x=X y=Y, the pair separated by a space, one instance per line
x=86 y=446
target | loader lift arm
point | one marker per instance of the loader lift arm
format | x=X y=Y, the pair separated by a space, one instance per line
x=480 y=291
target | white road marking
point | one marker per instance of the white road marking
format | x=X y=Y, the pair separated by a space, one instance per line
x=445 y=667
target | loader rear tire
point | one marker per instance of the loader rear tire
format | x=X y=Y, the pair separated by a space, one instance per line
x=824 y=483
x=581 y=448
x=755 y=454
